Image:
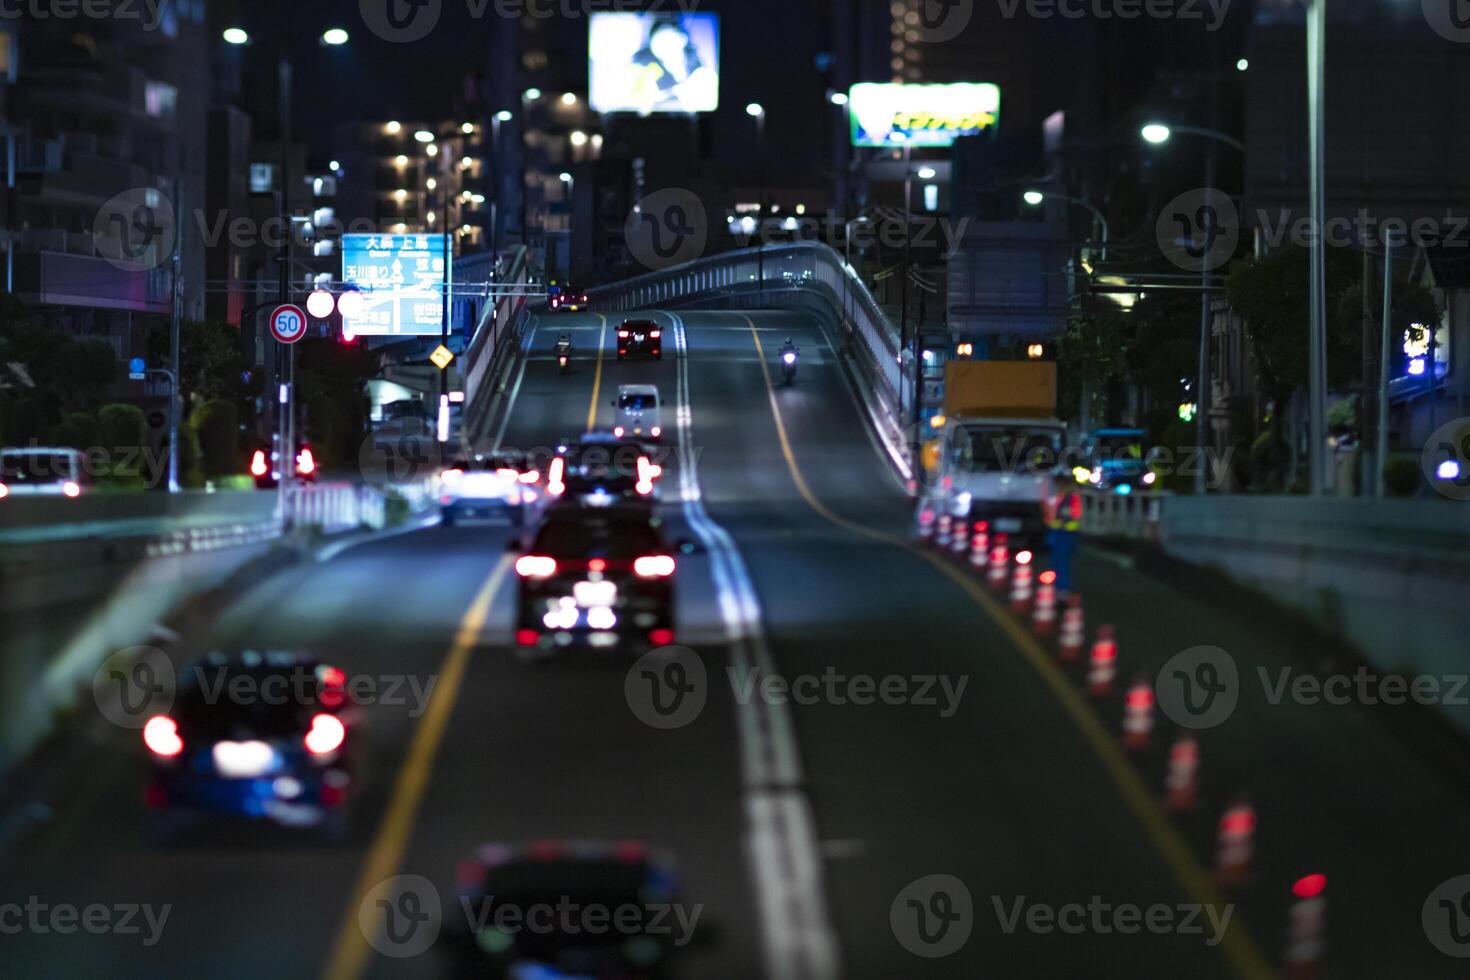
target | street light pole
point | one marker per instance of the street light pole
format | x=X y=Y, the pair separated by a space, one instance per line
x=1202 y=396
x=285 y=359
x=174 y=407
x=1317 y=347
x=1380 y=455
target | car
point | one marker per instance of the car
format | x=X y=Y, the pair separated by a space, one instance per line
x=597 y=576
x=498 y=487
x=568 y=908
x=265 y=466
x=1114 y=459
x=640 y=338
x=263 y=737
x=568 y=302
x=41 y=471
x=603 y=468
x=638 y=412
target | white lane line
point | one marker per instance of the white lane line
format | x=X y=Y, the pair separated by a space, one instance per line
x=782 y=841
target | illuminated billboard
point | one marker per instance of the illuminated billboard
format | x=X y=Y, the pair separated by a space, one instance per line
x=885 y=114
x=401 y=278
x=651 y=62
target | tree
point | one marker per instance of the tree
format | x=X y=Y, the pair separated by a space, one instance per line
x=217 y=423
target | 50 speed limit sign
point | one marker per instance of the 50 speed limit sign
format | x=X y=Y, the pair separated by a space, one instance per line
x=288 y=323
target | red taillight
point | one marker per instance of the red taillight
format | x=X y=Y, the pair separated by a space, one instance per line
x=1309 y=886
x=535 y=566
x=506 y=473
x=654 y=566
x=71 y=489
x=622 y=334
x=554 y=484
x=305 y=462
x=527 y=637
x=1023 y=558
x=530 y=476
x=661 y=637
x=655 y=334
x=597 y=565
x=618 y=431
x=257 y=463
x=656 y=431
x=333 y=681
x=161 y=735
x=4 y=491
x=326 y=735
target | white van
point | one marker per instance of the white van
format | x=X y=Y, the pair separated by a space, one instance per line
x=638 y=412
x=41 y=472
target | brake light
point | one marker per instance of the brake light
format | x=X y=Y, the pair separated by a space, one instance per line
x=654 y=566
x=655 y=334
x=452 y=475
x=618 y=431
x=305 y=462
x=4 y=491
x=333 y=681
x=554 y=484
x=506 y=473
x=161 y=735
x=622 y=334
x=597 y=565
x=257 y=463
x=327 y=734
x=661 y=637
x=527 y=637
x=644 y=485
x=656 y=431
x=530 y=476
x=535 y=566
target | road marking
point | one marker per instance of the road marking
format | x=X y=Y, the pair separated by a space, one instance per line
x=350 y=952
x=597 y=376
x=1238 y=945
x=784 y=850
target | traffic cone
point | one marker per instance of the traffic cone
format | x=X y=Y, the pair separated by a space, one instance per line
x=1138 y=715
x=1044 y=615
x=1236 y=844
x=926 y=524
x=1021 y=588
x=980 y=545
x=942 y=533
x=1181 y=781
x=1073 y=632
x=959 y=542
x=1103 y=663
x=1306 y=924
x=1000 y=557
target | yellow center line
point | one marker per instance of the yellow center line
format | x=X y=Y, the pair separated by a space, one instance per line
x=597 y=376
x=350 y=952
x=1238 y=944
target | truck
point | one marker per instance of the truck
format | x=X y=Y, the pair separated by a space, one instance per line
x=1000 y=447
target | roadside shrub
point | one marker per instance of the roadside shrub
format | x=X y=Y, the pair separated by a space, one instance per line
x=217 y=425
x=124 y=439
x=1401 y=476
x=78 y=430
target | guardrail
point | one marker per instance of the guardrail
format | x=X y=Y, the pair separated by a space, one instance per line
x=1125 y=515
x=496 y=335
x=754 y=276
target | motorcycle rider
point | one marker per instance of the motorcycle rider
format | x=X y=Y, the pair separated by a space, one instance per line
x=787 y=357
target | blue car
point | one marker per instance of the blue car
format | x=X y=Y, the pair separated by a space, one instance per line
x=261 y=738
x=1116 y=460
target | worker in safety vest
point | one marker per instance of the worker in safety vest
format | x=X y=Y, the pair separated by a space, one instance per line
x=1063 y=520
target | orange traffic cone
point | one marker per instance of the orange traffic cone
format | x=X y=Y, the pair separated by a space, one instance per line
x=980 y=546
x=1103 y=663
x=1021 y=588
x=1000 y=557
x=1306 y=925
x=1044 y=615
x=1236 y=844
x=1138 y=715
x=942 y=533
x=1073 y=632
x=1181 y=782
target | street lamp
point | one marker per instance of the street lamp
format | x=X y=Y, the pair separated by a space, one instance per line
x=927 y=173
x=1158 y=133
x=1034 y=197
x=531 y=94
x=334 y=37
x=236 y=36
x=838 y=98
x=504 y=115
x=424 y=136
x=758 y=112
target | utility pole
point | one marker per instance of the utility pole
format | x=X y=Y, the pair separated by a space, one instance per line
x=1202 y=396
x=1380 y=456
x=177 y=307
x=1365 y=400
x=1317 y=345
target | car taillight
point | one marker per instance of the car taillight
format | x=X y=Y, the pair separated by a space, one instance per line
x=618 y=431
x=622 y=334
x=4 y=491
x=257 y=463
x=656 y=431
x=161 y=735
x=71 y=488
x=527 y=637
x=327 y=734
x=554 y=484
x=655 y=334
x=535 y=566
x=653 y=566
x=305 y=462
x=661 y=637
x=449 y=476
x=530 y=476
x=506 y=473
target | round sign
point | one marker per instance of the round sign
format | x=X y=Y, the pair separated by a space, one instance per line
x=288 y=323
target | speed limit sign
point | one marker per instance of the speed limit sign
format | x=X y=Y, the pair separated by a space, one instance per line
x=288 y=323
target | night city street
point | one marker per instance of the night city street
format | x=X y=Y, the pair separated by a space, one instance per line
x=547 y=489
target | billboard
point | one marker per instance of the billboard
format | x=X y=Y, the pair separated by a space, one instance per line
x=653 y=62
x=401 y=278
x=884 y=114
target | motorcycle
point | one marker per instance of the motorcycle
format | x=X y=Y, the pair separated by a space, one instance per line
x=788 y=365
x=563 y=358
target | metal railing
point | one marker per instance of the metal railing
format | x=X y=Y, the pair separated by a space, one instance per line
x=755 y=277
x=496 y=334
x=1130 y=515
